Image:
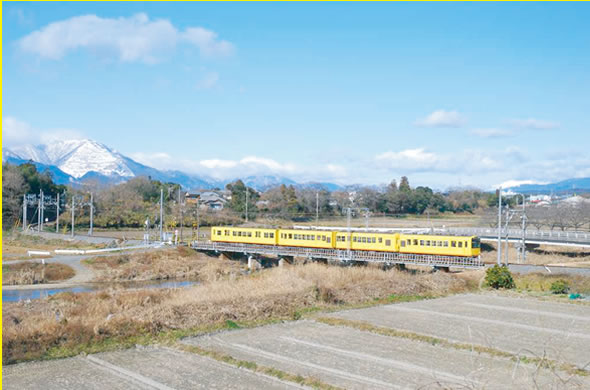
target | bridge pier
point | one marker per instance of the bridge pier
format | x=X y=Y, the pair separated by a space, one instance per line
x=253 y=264
x=285 y=261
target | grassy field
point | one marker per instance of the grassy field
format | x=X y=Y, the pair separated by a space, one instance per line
x=67 y=324
x=174 y=263
x=35 y=273
x=15 y=245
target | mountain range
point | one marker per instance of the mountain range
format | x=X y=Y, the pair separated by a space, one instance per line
x=565 y=186
x=76 y=161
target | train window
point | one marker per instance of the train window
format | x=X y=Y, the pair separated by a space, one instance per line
x=364 y=240
x=460 y=244
x=353 y=239
x=271 y=235
x=387 y=242
x=422 y=242
x=234 y=234
x=374 y=240
x=403 y=243
x=290 y=236
x=329 y=239
x=249 y=234
x=380 y=240
x=415 y=242
x=313 y=237
x=475 y=242
x=433 y=243
x=219 y=232
x=265 y=234
x=440 y=243
x=427 y=242
x=446 y=243
x=453 y=244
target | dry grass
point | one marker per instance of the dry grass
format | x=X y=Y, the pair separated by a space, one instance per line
x=68 y=323
x=543 y=255
x=35 y=273
x=178 y=263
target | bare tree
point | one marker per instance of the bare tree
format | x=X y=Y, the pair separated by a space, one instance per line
x=13 y=188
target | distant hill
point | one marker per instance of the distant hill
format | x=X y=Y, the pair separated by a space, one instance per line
x=564 y=186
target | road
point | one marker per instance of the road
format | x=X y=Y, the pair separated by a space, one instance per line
x=348 y=356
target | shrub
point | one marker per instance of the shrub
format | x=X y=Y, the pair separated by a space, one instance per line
x=560 y=287
x=499 y=277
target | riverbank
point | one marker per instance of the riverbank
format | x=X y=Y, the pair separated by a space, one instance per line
x=67 y=324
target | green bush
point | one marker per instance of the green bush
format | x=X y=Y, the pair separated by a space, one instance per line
x=499 y=277
x=560 y=287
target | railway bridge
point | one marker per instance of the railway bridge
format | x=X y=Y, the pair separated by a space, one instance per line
x=341 y=256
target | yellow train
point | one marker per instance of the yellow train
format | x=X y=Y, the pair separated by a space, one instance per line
x=464 y=246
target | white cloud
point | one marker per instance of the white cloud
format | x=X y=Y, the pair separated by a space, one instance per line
x=491 y=132
x=208 y=81
x=534 y=124
x=133 y=39
x=516 y=183
x=207 y=42
x=16 y=132
x=246 y=166
x=442 y=118
x=409 y=159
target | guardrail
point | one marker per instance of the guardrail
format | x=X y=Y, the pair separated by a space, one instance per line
x=341 y=255
x=91 y=251
x=539 y=235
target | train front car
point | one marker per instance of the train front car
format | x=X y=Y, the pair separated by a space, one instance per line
x=244 y=235
x=306 y=238
x=440 y=245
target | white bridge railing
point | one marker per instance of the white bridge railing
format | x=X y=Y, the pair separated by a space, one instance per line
x=341 y=255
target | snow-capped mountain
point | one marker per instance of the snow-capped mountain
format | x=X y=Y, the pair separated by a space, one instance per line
x=75 y=161
x=77 y=158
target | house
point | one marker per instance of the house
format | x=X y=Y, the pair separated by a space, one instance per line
x=207 y=200
x=212 y=201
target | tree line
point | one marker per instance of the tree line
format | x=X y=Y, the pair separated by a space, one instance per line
x=131 y=203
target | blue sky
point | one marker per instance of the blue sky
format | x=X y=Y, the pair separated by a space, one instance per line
x=447 y=94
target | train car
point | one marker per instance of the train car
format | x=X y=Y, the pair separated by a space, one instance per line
x=306 y=238
x=384 y=242
x=244 y=235
x=465 y=246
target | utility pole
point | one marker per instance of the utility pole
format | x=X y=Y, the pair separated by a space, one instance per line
x=246 y=204
x=349 y=238
x=523 y=257
x=24 y=212
x=42 y=209
x=57 y=214
x=161 y=213
x=198 y=221
x=499 y=226
x=181 y=209
x=39 y=213
x=317 y=207
x=367 y=218
x=73 y=211
x=91 y=214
